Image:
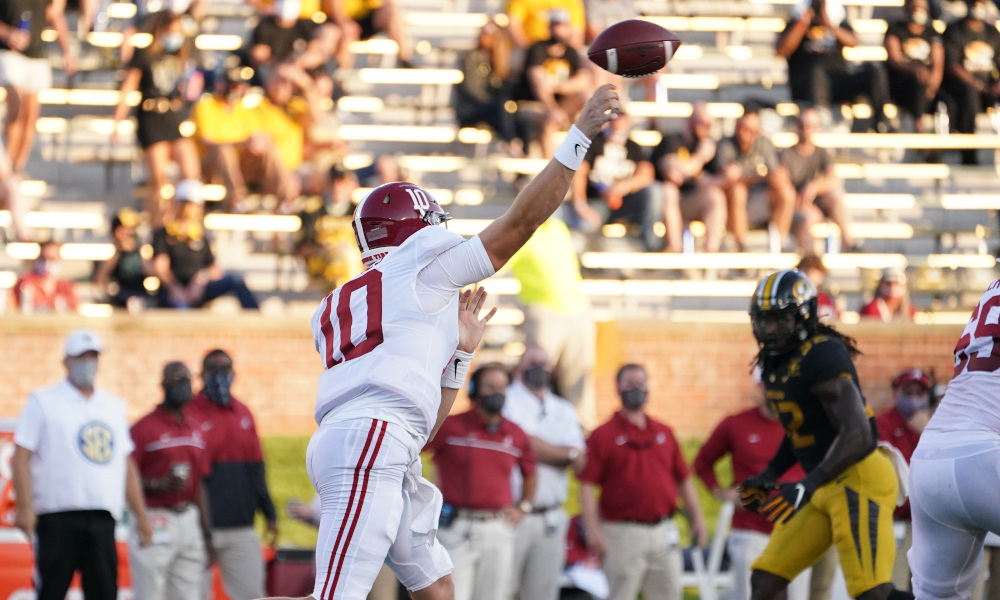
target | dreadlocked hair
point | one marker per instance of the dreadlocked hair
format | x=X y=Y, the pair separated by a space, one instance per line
x=821 y=329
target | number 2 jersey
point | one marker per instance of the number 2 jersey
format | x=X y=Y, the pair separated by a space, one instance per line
x=386 y=336
x=972 y=401
x=789 y=381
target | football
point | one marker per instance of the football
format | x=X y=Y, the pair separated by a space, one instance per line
x=634 y=48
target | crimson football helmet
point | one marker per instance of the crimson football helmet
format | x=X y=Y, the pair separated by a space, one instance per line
x=390 y=214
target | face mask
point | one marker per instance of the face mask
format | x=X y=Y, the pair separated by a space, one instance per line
x=634 y=398
x=172 y=42
x=920 y=17
x=48 y=267
x=493 y=403
x=536 y=378
x=979 y=12
x=908 y=405
x=82 y=372
x=217 y=387
x=177 y=394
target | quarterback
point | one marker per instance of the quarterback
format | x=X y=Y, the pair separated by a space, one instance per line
x=395 y=354
x=850 y=489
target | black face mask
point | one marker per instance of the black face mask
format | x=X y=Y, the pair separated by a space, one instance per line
x=634 y=398
x=217 y=387
x=536 y=378
x=493 y=403
x=177 y=394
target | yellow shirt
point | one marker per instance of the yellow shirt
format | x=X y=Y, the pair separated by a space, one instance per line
x=287 y=135
x=219 y=123
x=358 y=9
x=534 y=14
x=548 y=270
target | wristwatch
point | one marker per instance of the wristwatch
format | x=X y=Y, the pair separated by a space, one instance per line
x=572 y=454
x=526 y=506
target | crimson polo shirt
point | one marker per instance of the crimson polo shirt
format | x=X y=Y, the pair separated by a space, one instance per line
x=752 y=440
x=236 y=485
x=893 y=428
x=474 y=465
x=161 y=441
x=638 y=470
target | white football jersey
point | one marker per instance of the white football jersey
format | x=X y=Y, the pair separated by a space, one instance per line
x=386 y=336
x=972 y=401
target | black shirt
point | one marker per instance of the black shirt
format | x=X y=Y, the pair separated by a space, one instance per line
x=788 y=381
x=916 y=47
x=283 y=42
x=977 y=51
x=33 y=12
x=674 y=143
x=163 y=76
x=557 y=68
x=610 y=163
x=187 y=257
x=129 y=272
x=819 y=45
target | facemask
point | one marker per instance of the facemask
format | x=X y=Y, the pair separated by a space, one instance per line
x=217 y=387
x=908 y=405
x=177 y=394
x=920 y=17
x=82 y=372
x=536 y=378
x=493 y=403
x=172 y=42
x=634 y=398
x=48 y=267
x=979 y=11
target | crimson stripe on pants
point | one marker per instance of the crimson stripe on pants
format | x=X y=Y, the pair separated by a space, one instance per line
x=357 y=514
x=350 y=505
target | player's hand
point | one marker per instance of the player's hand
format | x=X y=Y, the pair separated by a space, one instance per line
x=470 y=326
x=602 y=107
x=790 y=498
x=754 y=492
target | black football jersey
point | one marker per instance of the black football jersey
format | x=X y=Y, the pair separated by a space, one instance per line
x=788 y=381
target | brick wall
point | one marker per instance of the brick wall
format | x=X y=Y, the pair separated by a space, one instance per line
x=699 y=372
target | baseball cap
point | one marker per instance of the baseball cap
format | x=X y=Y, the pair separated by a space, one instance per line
x=80 y=341
x=894 y=275
x=189 y=190
x=559 y=15
x=909 y=376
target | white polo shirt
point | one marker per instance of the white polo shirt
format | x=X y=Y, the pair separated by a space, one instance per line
x=552 y=420
x=79 y=448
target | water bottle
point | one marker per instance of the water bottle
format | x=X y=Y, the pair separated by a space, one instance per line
x=687 y=241
x=25 y=23
x=773 y=239
x=832 y=244
x=941 y=119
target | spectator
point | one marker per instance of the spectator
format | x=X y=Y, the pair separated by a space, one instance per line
x=557 y=316
x=916 y=61
x=972 y=51
x=71 y=470
x=531 y=21
x=681 y=160
x=191 y=11
x=557 y=443
x=892 y=299
x=478 y=522
x=901 y=426
x=362 y=19
x=555 y=77
x=123 y=276
x=285 y=37
x=484 y=91
x=813 y=267
x=750 y=438
x=757 y=188
x=170 y=457
x=184 y=262
x=43 y=290
x=818 y=74
x=638 y=464
x=165 y=76
x=819 y=193
x=25 y=69
x=11 y=198
x=616 y=175
x=236 y=487
x=233 y=151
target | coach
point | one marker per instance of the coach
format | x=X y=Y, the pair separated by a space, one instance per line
x=71 y=471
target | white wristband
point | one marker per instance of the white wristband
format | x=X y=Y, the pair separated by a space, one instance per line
x=454 y=374
x=573 y=148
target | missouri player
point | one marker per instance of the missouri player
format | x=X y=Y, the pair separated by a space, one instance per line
x=850 y=489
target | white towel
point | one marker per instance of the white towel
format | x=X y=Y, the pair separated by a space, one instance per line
x=902 y=470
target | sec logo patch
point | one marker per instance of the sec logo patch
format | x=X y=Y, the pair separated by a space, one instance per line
x=96 y=442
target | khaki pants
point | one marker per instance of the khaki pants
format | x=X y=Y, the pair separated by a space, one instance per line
x=173 y=566
x=240 y=562
x=744 y=547
x=483 y=555
x=539 y=555
x=643 y=558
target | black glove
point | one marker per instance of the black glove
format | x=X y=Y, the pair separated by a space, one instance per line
x=754 y=492
x=790 y=498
